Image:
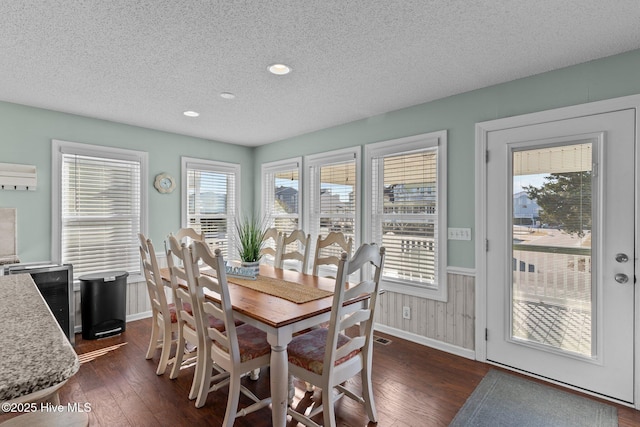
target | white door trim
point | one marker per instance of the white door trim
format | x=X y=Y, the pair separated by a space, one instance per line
x=482 y=131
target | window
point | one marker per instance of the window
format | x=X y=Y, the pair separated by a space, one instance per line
x=210 y=192
x=406 y=191
x=281 y=194
x=99 y=207
x=333 y=196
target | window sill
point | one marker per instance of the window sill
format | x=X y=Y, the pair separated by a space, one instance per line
x=438 y=293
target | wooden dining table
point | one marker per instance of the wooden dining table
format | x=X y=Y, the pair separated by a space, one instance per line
x=280 y=319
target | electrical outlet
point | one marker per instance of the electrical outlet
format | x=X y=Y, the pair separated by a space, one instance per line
x=406 y=312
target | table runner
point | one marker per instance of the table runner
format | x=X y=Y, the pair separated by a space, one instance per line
x=291 y=291
x=294 y=292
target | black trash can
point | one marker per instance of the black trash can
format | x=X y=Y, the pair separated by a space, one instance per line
x=103 y=304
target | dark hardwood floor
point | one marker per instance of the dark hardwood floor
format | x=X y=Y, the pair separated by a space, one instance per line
x=414 y=386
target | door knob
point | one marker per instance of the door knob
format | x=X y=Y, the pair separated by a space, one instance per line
x=622 y=278
x=622 y=258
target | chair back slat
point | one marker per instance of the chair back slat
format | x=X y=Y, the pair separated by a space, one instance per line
x=271 y=245
x=183 y=296
x=187 y=235
x=329 y=248
x=355 y=318
x=364 y=287
x=355 y=343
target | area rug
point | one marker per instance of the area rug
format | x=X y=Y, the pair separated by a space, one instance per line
x=503 y=399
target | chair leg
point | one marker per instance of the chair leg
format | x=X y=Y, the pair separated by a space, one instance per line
x=367 y=395
x=166 y=350
x=153 y=341
x=255 y=374
x=205 y=365
x=232 y=400
x=175 y=370
x=197 y=376
x=328 y=410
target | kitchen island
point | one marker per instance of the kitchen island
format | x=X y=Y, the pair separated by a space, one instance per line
x=36 y=357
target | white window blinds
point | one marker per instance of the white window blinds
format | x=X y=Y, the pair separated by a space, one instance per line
x=334 y=195
x=100 y=213
x=211 y=204
x=405 y=217
x=281 y=195
x=406 y=192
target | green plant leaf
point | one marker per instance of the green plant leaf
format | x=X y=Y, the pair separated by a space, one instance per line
x=251 y=230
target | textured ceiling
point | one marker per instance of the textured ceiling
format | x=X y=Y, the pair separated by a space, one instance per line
x=144 y=62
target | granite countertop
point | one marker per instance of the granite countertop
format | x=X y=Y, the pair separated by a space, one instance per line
x=34 y=352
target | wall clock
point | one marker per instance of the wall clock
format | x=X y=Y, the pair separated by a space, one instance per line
x=164 y=183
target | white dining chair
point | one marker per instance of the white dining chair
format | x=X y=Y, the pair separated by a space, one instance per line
x=295 y=247
x=229 y=355
x=328 y=357
x=185 y=306
x=164 y=317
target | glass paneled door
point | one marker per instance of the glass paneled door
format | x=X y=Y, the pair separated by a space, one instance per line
x=560 y=268
x=551 y=289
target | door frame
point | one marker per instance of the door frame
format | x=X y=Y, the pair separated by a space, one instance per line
x=482 y=130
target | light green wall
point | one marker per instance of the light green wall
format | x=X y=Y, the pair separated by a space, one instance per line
x=26 y=133
x=25 y=137
x=602 y=79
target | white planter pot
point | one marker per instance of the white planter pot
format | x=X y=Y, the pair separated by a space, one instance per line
x=255 y=266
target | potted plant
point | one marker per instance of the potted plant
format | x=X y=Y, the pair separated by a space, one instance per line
x=250 y=231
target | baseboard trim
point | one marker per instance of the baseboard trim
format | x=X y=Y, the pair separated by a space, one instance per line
x=138 y=316
x=429 y=342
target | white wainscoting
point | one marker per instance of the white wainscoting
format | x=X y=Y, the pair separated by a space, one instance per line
x=448 y=326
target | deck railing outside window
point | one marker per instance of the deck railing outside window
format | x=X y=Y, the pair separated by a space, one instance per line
x=552 y=274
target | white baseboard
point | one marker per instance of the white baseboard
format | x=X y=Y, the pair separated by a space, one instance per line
x=138 y=316
x=429 y=342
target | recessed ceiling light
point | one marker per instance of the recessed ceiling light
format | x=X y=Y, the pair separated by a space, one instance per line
x=227 y=95
x=191 y=113
x=279 y=69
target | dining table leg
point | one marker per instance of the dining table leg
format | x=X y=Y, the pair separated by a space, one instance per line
x=279 y=381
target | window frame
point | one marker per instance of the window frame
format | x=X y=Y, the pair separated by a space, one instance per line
x=59 y=148
x=328 y=158
x=216 y=167
x=407 y=145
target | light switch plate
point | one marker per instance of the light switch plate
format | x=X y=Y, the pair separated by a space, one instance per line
x=459 y=233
